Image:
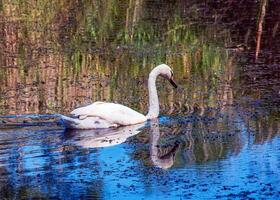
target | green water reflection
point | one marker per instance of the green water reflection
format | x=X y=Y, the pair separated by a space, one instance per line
x=76 y=54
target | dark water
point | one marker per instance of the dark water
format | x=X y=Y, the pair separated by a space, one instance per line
x=218 y=133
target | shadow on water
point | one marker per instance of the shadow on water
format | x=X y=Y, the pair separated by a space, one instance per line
x=218 y=135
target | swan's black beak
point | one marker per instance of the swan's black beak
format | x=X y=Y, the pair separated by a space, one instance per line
x=172 y=82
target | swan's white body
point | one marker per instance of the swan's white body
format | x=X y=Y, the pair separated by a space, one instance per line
x=106 y=115
x=103 y=115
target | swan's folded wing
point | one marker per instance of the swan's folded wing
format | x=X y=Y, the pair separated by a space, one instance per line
x=85 y=111
x=111 y=112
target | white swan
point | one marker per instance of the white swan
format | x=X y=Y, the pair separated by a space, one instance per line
x=106 y=115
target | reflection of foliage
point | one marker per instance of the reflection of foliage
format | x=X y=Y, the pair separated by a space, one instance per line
x=92 y=49
x=107 y=24
x=262 y=120
x=42 y=12
x=199 y=55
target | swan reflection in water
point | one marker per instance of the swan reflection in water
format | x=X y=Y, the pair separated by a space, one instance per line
x=166 y=160
x=182 y=144
x=96 y=138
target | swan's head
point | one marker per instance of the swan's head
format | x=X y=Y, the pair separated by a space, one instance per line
x=166 y=72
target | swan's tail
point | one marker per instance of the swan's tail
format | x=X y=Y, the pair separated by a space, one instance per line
x=85 y=123
x=69 y=122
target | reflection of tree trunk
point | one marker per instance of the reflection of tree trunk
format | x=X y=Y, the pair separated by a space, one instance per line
x=270 y=130
x=260 y=27
x=247 y=37
x=207 y=153
x=9 y=49
x=275 y=28
x=128 y=17
x=170 y=99
x=133 y=14
x=137 y=11
x=189 y=151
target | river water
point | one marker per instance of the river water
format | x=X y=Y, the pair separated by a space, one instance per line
x=217 y=136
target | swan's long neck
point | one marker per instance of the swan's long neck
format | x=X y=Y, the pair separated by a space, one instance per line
x=153 y=97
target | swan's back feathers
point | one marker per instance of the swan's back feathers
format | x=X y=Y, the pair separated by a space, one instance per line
x=111 y=112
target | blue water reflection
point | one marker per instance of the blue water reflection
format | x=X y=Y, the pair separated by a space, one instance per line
x=49 y=162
